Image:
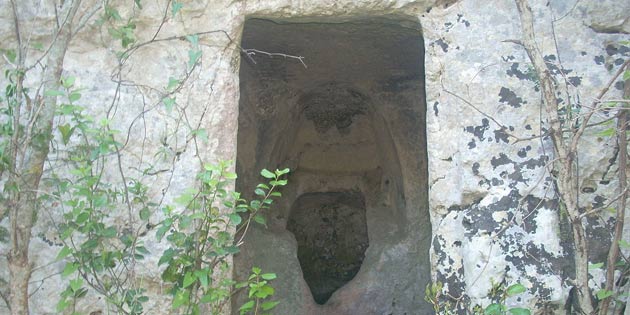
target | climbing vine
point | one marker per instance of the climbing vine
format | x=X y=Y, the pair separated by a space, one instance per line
x=63 y=160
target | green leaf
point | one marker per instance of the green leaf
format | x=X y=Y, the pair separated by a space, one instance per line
x=595 y=266
x=626 y=75
x=167 y=256
x=265 y=291
x=111 y=12
x=494 y=309
x=255 y=204
x=246 y=307
x=230 y=175
x=189 y=279
x=74 y=96
x=181 y=298
x=267 y=174
x=68 y=82
x=235 y=218
x=202 y=275
x=603 y=293
x=278 y=182
x=268 y=276
x=66 y=132
x=109 y=232
x=515 y=289
x=519 y=311
x=282 y=172
x=54 y=93
x=607 y=132
x=62 y=305
x=624 y=244
x=11 y=55
x=69 y=269
x=260 y=219
x=201 y=134
x=259 y=192
x=268 y=305
x=38 y=46
x=175 y=7
x=172 y=83
x=159 y=234
x=193 y=57
x=145 y=214
x=168 y=102
x=193 y=39
x=138 y=4
x=75 y=284
x=63 y=253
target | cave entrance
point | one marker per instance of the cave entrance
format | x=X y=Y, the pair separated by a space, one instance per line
x=351 y=234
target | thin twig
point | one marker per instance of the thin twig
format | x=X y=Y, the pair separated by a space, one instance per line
x=252 y=52
x=613 y=253
x=595 y=104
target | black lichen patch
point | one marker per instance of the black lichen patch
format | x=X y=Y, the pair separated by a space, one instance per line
x=501 y=135
x=460 y=19
x=553 y=66
x=575 y=81
x=508 y=58
x=479 y=218
x=479 y=131
x=599 y=60
x=448 y=26
x=509 y=97
x=598 y=201
x=475 y=168
x=516 y=176
x=440 y=42
x=435 y=108
x=613 y=49
x=522 y=153
x=531 y=164
x=501 y=160
x=523 y=255
x=619 y=85
x=527 y=75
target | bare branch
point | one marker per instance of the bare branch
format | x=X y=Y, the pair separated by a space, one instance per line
x=252 y=52
x=613 y=253
x=566 y=181
x=603 y=92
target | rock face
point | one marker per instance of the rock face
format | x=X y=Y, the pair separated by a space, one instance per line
x=413 y=135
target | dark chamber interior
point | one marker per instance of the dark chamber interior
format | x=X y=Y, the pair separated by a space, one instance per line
x=351 y=127
x=331 y=233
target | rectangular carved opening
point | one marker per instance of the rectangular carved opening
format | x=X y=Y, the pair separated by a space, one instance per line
x=352 y=232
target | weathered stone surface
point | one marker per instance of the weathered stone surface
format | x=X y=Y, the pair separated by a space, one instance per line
x=606 y=16
x=489 y=214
